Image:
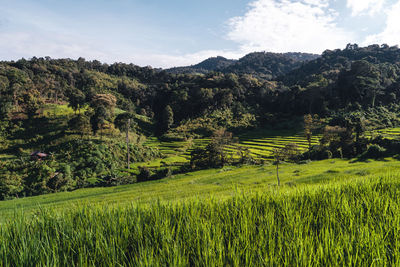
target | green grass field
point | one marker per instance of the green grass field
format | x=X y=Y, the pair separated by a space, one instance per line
x=327 y=213
x=220 y=183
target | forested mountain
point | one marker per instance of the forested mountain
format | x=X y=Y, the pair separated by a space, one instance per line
x=260 y=64
x=351 y=78
x=268 y=66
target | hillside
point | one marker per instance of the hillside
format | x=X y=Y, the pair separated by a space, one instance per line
x=77 y=113
x=262 y=65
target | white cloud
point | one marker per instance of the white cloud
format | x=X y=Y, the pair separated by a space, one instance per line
x=16 y=45
x=168 y=61
x=361 y=7
x=283 y=25
x=391 y=34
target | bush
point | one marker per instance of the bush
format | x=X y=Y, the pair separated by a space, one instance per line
x=163 y=173
x=144 y=174
x=374 y=152
x=172 y=137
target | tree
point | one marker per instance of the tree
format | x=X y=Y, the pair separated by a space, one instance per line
x=167 y=118
x=31 y=102
x=124 y=122
x=361 y=83
x=214 y=154
x=76 y=99
x=80 y=124
x=288 y=152
x=310 y=125
x=98 y=119
x=338 y=139
x=103 y=105
x=6 y=100
x=357 y=122
x=106 y=100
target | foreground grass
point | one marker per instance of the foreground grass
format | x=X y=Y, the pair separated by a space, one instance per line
x=219 y=183
x=342 y=223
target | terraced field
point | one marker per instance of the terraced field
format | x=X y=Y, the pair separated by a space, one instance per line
x=391 y=133
x=259 y=143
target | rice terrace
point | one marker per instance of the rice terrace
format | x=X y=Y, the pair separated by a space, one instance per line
x=212 y=133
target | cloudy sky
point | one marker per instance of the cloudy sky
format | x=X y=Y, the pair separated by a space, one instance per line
x=166 y=33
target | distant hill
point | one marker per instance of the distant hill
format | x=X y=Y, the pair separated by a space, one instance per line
x=268 y=65
x=265 y=65
x=333 y=62
x=210 y=64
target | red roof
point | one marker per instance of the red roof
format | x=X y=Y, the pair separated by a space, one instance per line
x=39 y=154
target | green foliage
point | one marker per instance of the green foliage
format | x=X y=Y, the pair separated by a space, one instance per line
x=31 y=102
x=121 y=121
x=214 y=154
x=74 y=164
x=80 y=124
x=10 y=184
x=39 y=175
x=144 y=174
x=167 y=119
x=373 y=152
x=76 y=99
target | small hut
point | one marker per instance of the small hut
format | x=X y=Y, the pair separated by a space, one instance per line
x=37 y=155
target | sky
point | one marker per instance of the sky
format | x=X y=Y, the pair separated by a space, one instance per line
x=168 y=33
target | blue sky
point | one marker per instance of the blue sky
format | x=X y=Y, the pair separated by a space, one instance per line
x=166 y=33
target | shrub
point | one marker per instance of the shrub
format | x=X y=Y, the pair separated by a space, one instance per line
x=144 y=174
x=373 y=152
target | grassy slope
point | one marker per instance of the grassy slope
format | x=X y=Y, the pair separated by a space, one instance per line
x=219 y=183
x=353 y=223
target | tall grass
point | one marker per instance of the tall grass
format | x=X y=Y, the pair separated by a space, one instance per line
x=349 y=224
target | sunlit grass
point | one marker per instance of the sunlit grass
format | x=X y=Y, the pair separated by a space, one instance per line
x=346 y=223
x=214 y=182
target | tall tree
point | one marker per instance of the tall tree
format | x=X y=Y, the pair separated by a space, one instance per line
x=31 y=102
x=76 y=99
x=124 y=122
x=167 y=118
x=103 y=105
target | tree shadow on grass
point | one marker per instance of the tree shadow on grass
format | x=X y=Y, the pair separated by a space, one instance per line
x=368 y=160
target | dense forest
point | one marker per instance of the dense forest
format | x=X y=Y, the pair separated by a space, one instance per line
x=263 y=65
x=343 y=85
x=351 y=78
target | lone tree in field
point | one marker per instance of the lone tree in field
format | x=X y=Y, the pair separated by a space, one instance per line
x=124 y=122
x=288 y=152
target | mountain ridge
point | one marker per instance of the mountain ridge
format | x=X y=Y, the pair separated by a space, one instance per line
x=265 y=65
